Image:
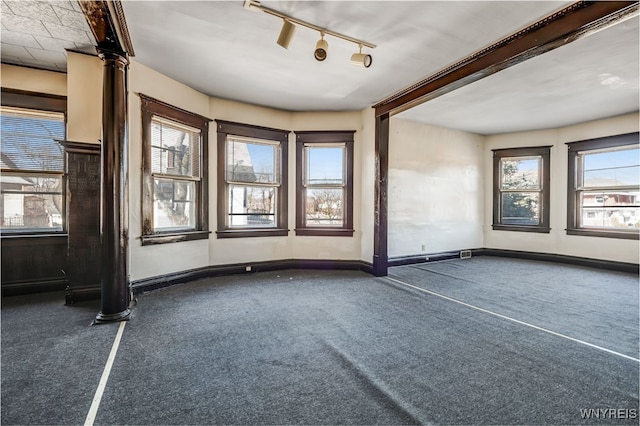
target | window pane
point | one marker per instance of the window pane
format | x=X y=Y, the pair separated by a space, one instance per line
x=173 y=204
x=611 y=168
x=325 y=165
x=520 y=208
x=31 y=203
x=614 y=210
x=174 y=149
x=252 y=161
x=252 y=206
x=324 y=207
x=520 y=173
x=28 y=140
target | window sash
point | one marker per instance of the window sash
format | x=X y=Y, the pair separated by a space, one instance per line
x=534 y=185
x=166 y=149
x=40 y=209
x=243 y=214
x=29 y=139
x=237 y=171
x=609 y=215
x=610 y=177
x=308 y=182
x=174 y=203
x=327 y=212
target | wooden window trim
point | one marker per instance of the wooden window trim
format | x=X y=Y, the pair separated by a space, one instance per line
x=573 y=210
x=152 y=107
x=225 y=128
x=545 y=153
x=310 y=137
x=43 y=102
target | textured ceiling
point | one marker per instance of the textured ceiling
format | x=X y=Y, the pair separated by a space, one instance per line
x=38 y=33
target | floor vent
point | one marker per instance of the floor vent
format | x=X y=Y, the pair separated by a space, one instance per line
x=465 y=254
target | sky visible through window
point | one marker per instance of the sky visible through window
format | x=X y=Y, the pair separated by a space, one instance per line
x=620 y=167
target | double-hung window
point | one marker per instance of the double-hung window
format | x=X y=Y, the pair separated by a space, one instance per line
x=604 y=187
x=32 y=162
x=174 y=173
x=521 y=189
x=252 y=181
x=324 y=180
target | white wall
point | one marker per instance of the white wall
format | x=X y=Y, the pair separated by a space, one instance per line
x=436 y=190
x=557 y=241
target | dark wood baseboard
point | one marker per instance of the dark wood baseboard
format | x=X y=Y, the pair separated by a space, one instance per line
x=561 y=258
x=82 y=294
x=546 y=257
x=153 y=283
x=18 y=288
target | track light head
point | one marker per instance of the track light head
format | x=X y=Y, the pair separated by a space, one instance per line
x=321 y=49
x=361 y=59
x=286 y=33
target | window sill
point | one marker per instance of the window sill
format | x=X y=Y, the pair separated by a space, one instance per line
x=174 y=237
x=252 y=232
x=325 y=232
x=15 y=235
x=516 y=228
x=604 y=234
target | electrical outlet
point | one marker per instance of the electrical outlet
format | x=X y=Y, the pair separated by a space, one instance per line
x=465 y=254
x=247 y=268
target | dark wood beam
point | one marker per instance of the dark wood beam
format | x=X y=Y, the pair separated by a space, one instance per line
x=565 y=26
x=108 y=25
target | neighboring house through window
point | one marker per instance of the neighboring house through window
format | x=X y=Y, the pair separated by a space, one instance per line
x=32 y=163
x=521 y=189
x=174 y=166
x=604 y=187
x=252 y=181
x=324 y=183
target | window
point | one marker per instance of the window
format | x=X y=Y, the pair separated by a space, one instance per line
x=174 y=167
x=32 y=162
x=521 y=189
x=604 y=187
x=252 y=181
x=324 y=183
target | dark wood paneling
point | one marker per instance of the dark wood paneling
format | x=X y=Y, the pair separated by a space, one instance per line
x=34 y=263
x=82 y=164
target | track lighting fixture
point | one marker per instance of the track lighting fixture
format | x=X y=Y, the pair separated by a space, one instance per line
x=321 y=48
x=286 y=33
x=361 y=59
x=320 y=52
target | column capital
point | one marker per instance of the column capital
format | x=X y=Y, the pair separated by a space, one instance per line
x=108 y=55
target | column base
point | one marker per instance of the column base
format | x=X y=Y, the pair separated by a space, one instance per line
x=117 y=317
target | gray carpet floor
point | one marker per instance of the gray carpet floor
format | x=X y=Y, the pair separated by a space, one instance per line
x=336 y=347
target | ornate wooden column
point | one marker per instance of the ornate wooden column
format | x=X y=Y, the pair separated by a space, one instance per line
x=114 y=220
